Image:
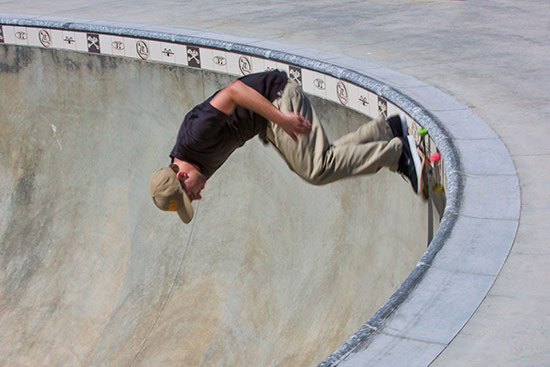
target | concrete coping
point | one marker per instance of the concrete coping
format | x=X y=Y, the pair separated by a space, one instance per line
x=481 y=214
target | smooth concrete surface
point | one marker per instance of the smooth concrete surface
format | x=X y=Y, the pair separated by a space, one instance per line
x=490 y=56
x=271 y=272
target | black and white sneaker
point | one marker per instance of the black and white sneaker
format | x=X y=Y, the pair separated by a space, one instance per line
x=398 y=125
x=410 y=165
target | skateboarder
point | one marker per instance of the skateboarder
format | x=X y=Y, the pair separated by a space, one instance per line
x=270 y=105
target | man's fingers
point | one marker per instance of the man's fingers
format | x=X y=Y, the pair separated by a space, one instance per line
x=292 y=136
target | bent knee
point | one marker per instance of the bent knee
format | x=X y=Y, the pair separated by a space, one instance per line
x=316 y=179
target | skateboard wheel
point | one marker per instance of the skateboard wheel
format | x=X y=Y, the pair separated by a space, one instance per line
x=435 y=157
x=422 y=132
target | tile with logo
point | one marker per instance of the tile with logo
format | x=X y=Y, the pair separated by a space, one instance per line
x=213 y=59
x=93 y=43
x=364 y=101
x=354 y=94
x=241 y=65
x=139 y=48
x=168 y=52
x=381 y=107
x=295 y=74
x=193 y=55
x=338 y=91
x=373 y=104
x=43 y=37
x=118 y=45
x=69 y=40
x=315 y=83
x=40 y=37
x=21 y=36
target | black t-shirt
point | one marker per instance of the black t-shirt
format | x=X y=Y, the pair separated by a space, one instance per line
x=207 y=136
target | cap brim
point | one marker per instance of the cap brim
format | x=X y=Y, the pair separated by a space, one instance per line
x=186 y=213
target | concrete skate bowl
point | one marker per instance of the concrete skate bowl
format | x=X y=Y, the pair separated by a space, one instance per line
x=271 y=272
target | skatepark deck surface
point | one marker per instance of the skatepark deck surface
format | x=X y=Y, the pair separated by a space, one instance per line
x=490 y=56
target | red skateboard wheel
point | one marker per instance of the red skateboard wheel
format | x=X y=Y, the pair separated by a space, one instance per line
x=435 y=157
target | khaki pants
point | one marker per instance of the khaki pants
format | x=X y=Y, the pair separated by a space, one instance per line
x=313 y=158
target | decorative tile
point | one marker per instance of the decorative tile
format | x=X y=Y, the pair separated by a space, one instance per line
x=57 y=39
x=143 y=49
x=21 y=36
x=93 y=43
x=1 y=35
x=180 y=54
x=353 y=96
x=8 y=34
x=320 y=84
x=382 y=107
x=364 y=101
x=34 y=37
x=155 y=51
x=118 y=46
x=168 y=52
x=193 y=57
x=212 y=59
x=81 y=42
x=69 y=40
x=338 y=91
x=373 y=105
x=105 y=43
x=219 y=60
x=295 y=74
x=245 y=65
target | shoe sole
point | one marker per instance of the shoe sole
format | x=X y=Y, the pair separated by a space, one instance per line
x=417 y=162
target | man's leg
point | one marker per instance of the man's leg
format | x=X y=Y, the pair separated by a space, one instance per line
x=372 y=131
x=317 y=161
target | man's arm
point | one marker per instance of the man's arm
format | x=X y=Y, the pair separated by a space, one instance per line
x=239 y=94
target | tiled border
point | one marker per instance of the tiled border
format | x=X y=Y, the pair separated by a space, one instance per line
x=339 y=89
x=436 y=284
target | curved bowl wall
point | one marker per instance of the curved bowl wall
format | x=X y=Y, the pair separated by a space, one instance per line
x=272 y=271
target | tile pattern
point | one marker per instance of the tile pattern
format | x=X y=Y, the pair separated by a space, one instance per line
x=218 y=60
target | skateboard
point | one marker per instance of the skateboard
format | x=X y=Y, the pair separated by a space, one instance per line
x=431 y=173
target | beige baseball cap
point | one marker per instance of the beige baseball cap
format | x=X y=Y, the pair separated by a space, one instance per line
x=169 y=195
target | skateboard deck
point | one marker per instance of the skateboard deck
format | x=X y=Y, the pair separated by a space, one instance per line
x=432 y=173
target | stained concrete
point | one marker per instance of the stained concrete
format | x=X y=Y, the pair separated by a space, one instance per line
x=491 y=56
x=271 y=272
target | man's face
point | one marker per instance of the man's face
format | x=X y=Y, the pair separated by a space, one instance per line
x=193 y=183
